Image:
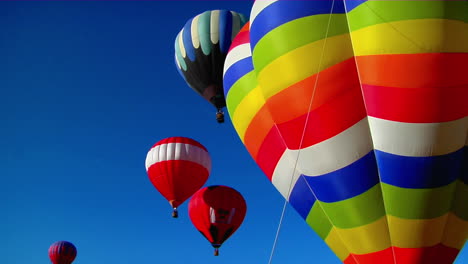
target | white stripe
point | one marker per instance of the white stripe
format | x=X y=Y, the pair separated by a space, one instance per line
x=325 y=157
x=236 y=24
x=178 y=151
x=418 y=139
x=236 y=54
x=258 y=6
x=194 y=32
x=285 y=176
x=214 y=26
x=181 y=44
x=177 y=62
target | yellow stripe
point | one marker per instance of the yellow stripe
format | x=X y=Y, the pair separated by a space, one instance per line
x=411 y=36
x=336 y=245
x=448 y=229
x=456 y=232
x=246 y=110
x=181 y=44
x=303 y=62
x=416 y=233
x=368 y=238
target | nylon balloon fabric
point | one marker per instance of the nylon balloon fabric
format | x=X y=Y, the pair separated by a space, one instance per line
x=200 y=50
x=356 y=111
x=250 y=117
x=62 y=252
x=217 y=212
x=178 y=167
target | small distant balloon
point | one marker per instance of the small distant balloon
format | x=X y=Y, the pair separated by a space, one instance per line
x=62 y=252
x=217 y=212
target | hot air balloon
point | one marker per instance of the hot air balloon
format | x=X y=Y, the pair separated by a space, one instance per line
x=200 y=50
x=178 y=167
x=356 y=111
x=217 y=212
x=62 y=252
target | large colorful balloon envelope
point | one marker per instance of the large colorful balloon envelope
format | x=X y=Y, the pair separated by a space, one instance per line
x=62 y=252
x=200 y=50
x=356 y=111
x=217 y=212
x=178 y=167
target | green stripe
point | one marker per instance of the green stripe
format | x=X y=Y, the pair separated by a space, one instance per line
x=319 y=221
x=357 y=211
x=377 y=12
x=295 y=34
x=240 y=89
x=460 y=201
x=418 y=203
x=204 y=32
x=179 y=57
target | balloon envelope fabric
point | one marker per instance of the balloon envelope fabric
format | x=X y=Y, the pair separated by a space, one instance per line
x=246 y=106
x=200 y=50
x=356 y=111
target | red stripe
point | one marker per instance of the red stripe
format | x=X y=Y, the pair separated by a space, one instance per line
x=270 y=152
x=416 y=105
x=242 y=37
x=438 y=254
x=183 y=140
x=326 y=121
x=415 y=88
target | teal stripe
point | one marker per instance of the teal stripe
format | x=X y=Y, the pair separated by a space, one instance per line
x=295 y=34
x=204 y=23
x=243 y=19
x=378 y=12
x=179 y=57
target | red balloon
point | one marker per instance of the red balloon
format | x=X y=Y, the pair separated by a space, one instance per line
x=217 y=212
x=178 y=167
x=62 y=252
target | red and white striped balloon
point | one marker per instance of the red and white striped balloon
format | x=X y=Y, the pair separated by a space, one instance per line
x=178 y=167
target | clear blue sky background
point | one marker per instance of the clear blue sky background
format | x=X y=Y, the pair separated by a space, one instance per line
x=86 y=88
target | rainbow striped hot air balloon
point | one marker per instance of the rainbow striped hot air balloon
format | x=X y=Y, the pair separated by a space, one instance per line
x=357 y=113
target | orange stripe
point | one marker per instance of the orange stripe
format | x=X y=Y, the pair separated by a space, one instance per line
x=332 y=82
x=257 y=131
x=330 y=119
x=414 y=70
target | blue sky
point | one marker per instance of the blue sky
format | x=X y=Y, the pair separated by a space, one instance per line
x=86 y=89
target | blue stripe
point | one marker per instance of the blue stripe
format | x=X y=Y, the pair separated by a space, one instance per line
x=225 y=30
x=235 y=72
x=419 y=172
x=351 y=4
x=301 y=197
x=282 y=12
x=187 y=40
x=346 y=182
